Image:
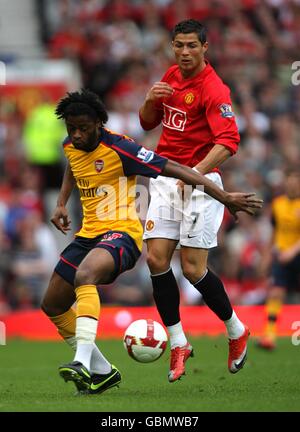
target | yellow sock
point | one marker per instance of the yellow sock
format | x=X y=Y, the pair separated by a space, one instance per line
x=88 y=311
x=65 y=323
x=273 y=308
x=88 y=302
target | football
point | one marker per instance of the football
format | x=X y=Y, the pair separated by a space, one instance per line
x=145 y=340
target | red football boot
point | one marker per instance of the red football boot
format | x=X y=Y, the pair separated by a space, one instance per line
x=238 y=352
x=179 y=356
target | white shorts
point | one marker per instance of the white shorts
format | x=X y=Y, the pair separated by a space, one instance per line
x=194 y=222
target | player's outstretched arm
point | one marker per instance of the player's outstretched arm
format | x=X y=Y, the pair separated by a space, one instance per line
x=234 y=201
x=60 y=218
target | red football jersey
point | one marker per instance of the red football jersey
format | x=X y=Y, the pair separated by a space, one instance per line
x=196 y=117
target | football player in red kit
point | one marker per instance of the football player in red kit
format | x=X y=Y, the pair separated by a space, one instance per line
x=199 y=130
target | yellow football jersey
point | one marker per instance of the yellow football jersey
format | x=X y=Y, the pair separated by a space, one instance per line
x=286 y=217
x=106 y=179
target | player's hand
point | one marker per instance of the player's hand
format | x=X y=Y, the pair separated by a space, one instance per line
x=159 y=90
x=286 y=256
x=180 y=184
x=185 y=191
x=246 y=202
x=60 y=219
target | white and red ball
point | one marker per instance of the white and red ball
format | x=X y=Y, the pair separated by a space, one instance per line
x=145 y=340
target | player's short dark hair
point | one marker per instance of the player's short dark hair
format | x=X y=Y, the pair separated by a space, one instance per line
x=190 y=26
x=84 y=102
x=292 y=171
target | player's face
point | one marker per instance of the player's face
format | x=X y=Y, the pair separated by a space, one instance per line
x=292 y=185
x=83 y=131
x=189 y=53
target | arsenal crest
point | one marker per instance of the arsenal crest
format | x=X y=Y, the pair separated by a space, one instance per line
x=99 y=165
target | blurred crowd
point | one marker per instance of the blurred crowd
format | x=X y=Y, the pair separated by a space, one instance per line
x=122 y=47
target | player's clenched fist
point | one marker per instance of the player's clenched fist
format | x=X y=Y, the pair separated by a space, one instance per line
x=159 y=90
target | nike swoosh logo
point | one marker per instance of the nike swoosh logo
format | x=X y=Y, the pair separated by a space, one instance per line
x=191 y=236
x=241 y=363
x=85 y=373
x=96 y=386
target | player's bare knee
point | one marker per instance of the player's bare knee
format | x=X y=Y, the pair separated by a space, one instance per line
x=51 y=310
x=190 y=275
x=192 y=272
x=157 y=264
x=44 y=308
x=277 y=293
x=84 y=277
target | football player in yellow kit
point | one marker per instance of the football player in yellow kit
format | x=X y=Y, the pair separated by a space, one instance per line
x=284 y=258
x=110 y=240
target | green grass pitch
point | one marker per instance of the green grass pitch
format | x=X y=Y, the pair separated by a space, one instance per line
x=269 y=381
